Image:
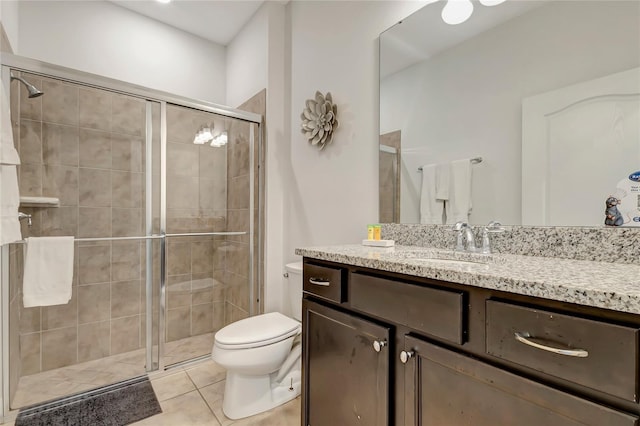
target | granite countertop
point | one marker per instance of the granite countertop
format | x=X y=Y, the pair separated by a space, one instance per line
x=614 y=286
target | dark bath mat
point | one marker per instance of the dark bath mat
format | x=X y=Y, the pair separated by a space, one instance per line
x=116 y=405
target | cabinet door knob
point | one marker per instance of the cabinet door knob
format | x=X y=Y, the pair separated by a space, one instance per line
x=406 y=356
x=379 y=344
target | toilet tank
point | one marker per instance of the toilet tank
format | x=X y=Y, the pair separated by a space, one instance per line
x=294 y=284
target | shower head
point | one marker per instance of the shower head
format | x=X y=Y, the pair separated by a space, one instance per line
x=34 y=92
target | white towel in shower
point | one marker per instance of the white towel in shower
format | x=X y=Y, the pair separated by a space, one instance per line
x=458 y=206
x=430 y=207
x=9 y=195
x=48 y=271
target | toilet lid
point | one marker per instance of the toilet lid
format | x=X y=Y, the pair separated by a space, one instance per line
x=257 y=330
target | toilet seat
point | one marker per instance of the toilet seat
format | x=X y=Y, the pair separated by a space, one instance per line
x=260 y=330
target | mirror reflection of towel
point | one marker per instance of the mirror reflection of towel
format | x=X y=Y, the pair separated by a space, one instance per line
x=430 y=207
x=459 y=205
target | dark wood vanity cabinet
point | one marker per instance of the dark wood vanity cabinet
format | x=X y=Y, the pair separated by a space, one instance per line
x=347 y=372
x=408 y=351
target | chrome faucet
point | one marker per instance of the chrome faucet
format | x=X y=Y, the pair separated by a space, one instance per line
x=492 y=228
x=25 y=216
x=465 y=232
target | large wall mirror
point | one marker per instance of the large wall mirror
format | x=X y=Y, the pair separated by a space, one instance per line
x=543 y=96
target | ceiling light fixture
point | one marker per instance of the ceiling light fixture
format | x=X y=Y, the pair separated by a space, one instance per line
x=164 y=1
x=219 y=140
x=457 y=11
x=204 y=135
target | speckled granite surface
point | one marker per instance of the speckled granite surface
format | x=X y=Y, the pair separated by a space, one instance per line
x=602 y=244
x=614 y=286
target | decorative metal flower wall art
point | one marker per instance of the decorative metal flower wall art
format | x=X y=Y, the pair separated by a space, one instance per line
x=319 y=120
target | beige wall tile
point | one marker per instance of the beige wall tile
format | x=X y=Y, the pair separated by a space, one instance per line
x=212 y=194
x=59 y=348
x=125 y=334
x=93 y=340
x=94 y=187
x=60 y=105
x=218 y=315
x=30 y=353
x=201 y=319
x=182 y=192
x=94 y=264
x=30 y=320
x=182 y=159
x=61 y=182
x=239 y=220
x=239 y=153
x=201 y=296
x=238 y=290
x=30 y=142
x=127 y=189
x=178 y=257
x=59 y=316
x=178 y=323
x=181 y=128
x=60 y=221
x=238 y=195
x=213 y=162
x=94 y=303
x=94 y=149
x=128 y=115
x=30 y=179
x=95 y=109
x=125 y=261
x=60 y=144
x=126 y=222
x=237 y=258
x=125 y=298
x=179 y=291
x=202 y=257
x=128 y=152
x=94 y=222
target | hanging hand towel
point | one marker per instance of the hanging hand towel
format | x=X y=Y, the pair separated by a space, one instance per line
x=443 y=170
x=430 y=208
x=459 y=205
x=48 y=271
x=9 y=195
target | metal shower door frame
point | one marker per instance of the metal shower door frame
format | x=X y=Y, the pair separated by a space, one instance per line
x=10 y=62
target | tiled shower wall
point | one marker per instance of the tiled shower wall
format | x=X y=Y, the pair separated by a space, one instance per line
x=86 y=147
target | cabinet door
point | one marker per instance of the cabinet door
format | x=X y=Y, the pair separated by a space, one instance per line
x=444 y=388
x=346 y=380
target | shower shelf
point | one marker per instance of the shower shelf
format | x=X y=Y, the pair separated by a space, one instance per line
x=42 y=202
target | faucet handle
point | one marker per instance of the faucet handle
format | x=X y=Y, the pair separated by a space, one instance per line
x=459 y=226
x=494 y=226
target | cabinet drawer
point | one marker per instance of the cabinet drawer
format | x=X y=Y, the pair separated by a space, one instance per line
x=436 y=312
x=443 y=387
x=324 y=281
x=595 y=354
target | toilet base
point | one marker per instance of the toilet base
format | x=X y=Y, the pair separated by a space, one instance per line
x=246 y=395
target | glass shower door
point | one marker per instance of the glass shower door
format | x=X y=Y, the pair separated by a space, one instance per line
x=89 y=148
x=209 y=227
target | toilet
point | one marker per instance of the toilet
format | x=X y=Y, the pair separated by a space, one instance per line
x=262 y=356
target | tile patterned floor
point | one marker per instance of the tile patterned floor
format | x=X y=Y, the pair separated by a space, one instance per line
x=76 y=378
x=193 y=396
x=190 y=395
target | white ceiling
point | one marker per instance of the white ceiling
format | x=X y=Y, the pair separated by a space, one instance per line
x=214 y=20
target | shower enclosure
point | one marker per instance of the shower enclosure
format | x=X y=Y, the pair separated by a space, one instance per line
x=166 y=220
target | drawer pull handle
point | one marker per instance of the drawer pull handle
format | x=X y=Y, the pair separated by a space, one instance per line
x=405 y=356
x=524 y=338
x=320 y=281
x=379 y=344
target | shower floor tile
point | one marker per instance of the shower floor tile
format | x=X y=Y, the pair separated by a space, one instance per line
x=76 y=378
